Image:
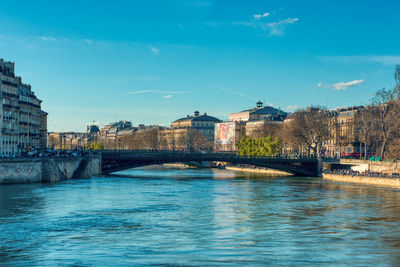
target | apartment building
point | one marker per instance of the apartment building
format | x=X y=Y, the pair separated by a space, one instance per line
x=20 y=114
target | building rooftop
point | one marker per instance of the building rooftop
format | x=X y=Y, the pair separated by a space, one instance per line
x=197 y=117
x=264 y=110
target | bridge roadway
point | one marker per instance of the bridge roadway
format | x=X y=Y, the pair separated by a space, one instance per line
x=118 y=160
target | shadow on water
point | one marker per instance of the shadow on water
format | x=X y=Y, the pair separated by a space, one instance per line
x=18 y=203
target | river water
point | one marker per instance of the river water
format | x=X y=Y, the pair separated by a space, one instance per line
x=198 y=217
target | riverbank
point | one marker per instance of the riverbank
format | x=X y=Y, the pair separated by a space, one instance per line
x=257 y=170
x=48 y=169
x=381 y=181
x=178 y=165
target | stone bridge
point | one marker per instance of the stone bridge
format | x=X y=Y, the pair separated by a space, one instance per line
x=118 y=160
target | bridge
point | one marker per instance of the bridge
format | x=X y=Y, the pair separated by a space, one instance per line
x=118 y=160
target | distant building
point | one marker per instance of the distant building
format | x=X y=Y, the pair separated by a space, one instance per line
x=43 y=129
x=190 y=132
x=22 y=124
x=260 y=112
x=228 y=134
x=203 y=123
x=246 y=122
x=109 y=134
x=346 y=139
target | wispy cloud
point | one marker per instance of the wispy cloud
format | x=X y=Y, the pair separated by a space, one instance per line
x=278 y=27
x=154 y=50
x=167 y=96
x=292 y=108
x=47 y=38
x=275 y=28
x=385 y=60
x=236 y=93
x=341 y=85
x=260 y=16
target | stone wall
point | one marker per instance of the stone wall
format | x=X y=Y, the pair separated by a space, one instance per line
x=392 y=182
x=48 y=169
x=20 y=171
x=373 y=166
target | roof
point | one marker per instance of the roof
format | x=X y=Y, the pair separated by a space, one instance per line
x=265 y=111
x=198 y=118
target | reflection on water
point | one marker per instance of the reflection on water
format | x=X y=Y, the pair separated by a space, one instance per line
x=198 y=217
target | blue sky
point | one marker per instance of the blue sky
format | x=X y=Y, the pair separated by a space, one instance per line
x=154 y=61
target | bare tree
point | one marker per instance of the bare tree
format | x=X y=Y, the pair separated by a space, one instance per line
x=312 y=127
x=365 y=125
x=386 y=103
x=266 y=129
x=150 y=138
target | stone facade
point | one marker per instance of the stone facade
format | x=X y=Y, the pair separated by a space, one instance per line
x=189 y=133
x=37 y=170
x=21 y=121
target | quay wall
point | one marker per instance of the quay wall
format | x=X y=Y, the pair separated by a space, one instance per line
x=381 y=181
x=372 y=166
x=35 y=170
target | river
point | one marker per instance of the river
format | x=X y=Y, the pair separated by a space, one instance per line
x=198 y=217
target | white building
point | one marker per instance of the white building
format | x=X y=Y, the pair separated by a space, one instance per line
x=20 y=113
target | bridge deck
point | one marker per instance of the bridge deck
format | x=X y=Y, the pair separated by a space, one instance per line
x=113 y=161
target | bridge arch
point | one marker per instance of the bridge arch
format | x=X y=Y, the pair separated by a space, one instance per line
x=113 y=161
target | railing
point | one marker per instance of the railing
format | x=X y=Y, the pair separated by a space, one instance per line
x=219 y=155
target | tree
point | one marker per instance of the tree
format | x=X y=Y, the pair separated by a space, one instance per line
x=386 y=104
x=365 y=125
x=312 y=127
x=260 y=147
x=95 y=146
x=267 y=128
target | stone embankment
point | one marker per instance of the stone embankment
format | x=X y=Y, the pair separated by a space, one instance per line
x=381 y=181
x=387 y=168
x=54 y=169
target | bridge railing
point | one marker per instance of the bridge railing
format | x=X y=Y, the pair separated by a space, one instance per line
x=219 y=155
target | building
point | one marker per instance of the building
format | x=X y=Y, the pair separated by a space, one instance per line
x=194 y=132
x=228 y=134
x=108 y=135
x=346 y=139
x=21 y=122
x=202 y=123
x=43 y=129
x=260 y=112
x=251 y=122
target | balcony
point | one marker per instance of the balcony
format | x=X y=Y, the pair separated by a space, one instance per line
x=9 y=83
x=8 y=131
x=10 y=95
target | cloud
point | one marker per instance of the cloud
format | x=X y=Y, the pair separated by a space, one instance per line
x=88 y=41
x=154 y=50
x=341 y=85
x=275 y=28
x=237 y=93
x=48 y=38
x=259 y=16
x=167 y=96
x=292 y=107
x=384 y=60
x=278 y=27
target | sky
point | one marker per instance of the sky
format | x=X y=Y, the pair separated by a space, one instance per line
x=154 y=61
